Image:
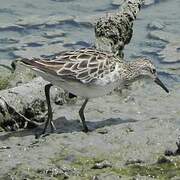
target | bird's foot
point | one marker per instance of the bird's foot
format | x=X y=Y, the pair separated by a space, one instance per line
x=41 y=135
x=53 y=127
x=44 y=133
x=86 y=129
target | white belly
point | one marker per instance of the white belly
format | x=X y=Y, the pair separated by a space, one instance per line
x=80 y=89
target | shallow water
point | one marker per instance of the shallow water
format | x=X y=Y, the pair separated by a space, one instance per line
x=46 y=27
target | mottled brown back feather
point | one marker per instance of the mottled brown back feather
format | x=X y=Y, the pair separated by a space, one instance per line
x=83 y=65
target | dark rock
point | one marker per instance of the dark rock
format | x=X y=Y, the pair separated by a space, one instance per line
x=162 y=160
x=136 y=161
x=169 y=152
x=101 y=165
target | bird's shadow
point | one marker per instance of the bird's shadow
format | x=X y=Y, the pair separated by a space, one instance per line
x=67 y=126
x=64 y=126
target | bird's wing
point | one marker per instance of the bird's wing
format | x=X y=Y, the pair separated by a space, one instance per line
x=83 y=65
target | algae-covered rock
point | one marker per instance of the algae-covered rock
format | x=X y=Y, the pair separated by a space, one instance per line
x=5 y=76
x=4 y=82
x=20 y=74
x=26 y=101
x=11 y=75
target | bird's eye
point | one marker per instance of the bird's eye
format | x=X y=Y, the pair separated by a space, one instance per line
x=153 y=71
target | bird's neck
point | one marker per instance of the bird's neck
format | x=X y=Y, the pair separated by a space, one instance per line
x=128 y=72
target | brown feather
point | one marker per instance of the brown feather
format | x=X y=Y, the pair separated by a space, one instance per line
x=84 y=64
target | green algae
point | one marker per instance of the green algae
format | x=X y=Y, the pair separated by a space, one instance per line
x=68 y=164
x=82 y=168
x=21 y=172
x=161 y=170
x=24 y=172
x=4 y=82
x=86 y=161
x=5 y=76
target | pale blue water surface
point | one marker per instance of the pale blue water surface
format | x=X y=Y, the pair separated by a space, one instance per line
x=45 y=27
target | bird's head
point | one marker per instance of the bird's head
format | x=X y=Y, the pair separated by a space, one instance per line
x=146 y=69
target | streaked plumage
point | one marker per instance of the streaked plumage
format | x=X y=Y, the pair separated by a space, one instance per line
x=84 y=65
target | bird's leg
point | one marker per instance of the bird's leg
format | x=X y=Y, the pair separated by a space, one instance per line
x=81 y=114
x=53 y=127
x=50 y=114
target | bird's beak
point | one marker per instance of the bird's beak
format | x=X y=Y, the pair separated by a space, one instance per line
x=158 y=81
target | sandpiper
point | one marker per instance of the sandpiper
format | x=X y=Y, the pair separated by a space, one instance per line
x=90 y=73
